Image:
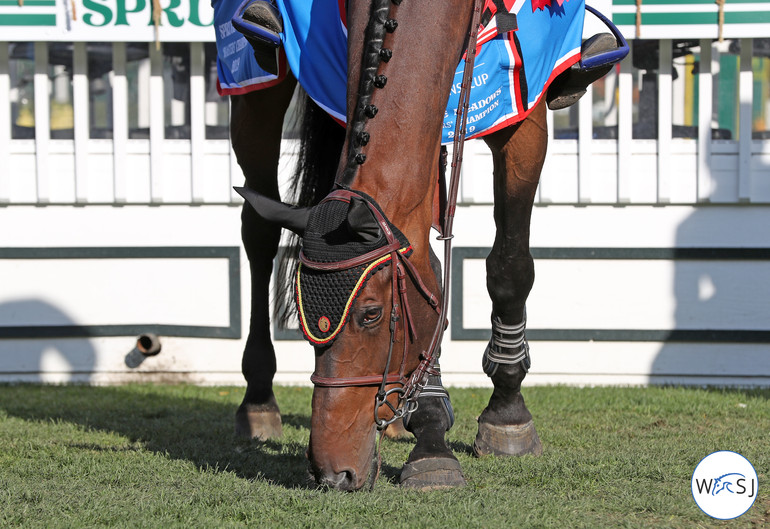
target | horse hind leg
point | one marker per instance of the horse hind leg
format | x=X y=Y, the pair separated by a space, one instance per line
x=506 y=427
x=255 y=133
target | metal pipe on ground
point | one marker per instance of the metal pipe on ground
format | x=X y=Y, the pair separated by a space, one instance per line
x=147 y=345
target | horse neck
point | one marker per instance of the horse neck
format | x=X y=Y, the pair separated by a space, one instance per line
x=402 y=154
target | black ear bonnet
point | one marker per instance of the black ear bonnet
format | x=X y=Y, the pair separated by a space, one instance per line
x=346 y=241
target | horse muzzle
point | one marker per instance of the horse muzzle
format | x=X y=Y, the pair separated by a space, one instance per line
x=343 y=468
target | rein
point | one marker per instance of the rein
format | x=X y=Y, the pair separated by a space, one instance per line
x=408 y=387
x=419 y=377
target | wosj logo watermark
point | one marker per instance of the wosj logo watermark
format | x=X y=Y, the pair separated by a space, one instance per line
x=724 y=485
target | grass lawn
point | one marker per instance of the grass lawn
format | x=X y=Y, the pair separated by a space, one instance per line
x=165 y=456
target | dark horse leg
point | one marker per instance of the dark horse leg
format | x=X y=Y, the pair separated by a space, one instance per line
x=505 y=426
x=431 y=463
x=255 y=132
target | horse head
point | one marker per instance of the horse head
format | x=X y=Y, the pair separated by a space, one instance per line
x=359 y=300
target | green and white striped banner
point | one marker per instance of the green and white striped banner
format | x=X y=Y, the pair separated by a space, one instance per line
x=687 y=19
x=190 y=20
x=32 y=14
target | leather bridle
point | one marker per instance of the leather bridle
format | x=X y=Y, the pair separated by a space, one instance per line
x=400 y=310
x=408 y=388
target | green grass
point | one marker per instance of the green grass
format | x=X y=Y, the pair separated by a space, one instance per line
x=164 y=456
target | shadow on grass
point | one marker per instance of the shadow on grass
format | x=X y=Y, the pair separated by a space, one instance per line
x=461 y=448
x=390 y=473
x=301 y=422
x=169 y=423
x=755 y=393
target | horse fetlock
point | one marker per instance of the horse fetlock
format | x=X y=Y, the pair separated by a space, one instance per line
x=431 y=464
x=506 y=405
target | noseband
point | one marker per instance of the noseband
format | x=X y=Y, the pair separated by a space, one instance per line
x=408 y=388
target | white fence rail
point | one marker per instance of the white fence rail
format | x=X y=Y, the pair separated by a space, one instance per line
x=169 y=143
x=161 y=153
x=647 y=160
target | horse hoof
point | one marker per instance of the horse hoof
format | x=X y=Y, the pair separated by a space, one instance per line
x=507 y=440
x=432 y=473
x=396 y=430
x=258 y=422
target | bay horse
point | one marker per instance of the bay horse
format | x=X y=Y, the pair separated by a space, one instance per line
x=368 y=287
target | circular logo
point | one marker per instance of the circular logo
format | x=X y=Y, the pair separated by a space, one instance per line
x=324 y=324
x=724 y=485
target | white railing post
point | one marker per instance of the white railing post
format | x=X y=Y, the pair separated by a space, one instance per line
x=705 y=95
x=746 y=96
x=81 y=120
x=625 y=128
x=197 y=121
x=157 y=124
x=143 y=96
x=42 y=122
x=119 y=122
x=5 y=126
x=665 y=94
x=585 y=145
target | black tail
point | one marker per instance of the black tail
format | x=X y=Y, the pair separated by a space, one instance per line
x=321 y=140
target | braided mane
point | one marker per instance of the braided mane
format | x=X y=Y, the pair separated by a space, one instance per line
x=373 y=55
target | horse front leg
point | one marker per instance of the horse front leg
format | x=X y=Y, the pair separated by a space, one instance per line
x=505 y=426
x=255 y=132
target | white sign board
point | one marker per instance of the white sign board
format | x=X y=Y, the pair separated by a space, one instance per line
x=190 y=20
x=106 y=20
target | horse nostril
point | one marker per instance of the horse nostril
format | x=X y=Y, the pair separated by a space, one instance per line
x=345 y=480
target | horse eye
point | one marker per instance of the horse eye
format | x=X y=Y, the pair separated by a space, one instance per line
x=371 y=315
